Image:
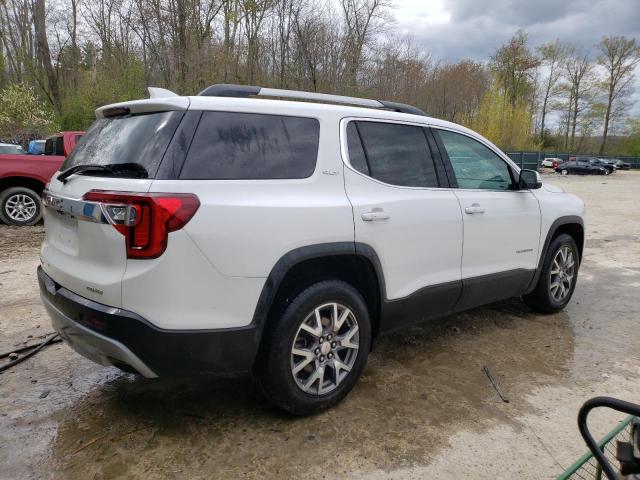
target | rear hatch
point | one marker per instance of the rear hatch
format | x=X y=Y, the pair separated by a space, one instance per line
x=83 y=249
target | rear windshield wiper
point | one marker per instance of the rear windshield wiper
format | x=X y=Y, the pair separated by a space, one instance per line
x=80 y=168
x=112 y=169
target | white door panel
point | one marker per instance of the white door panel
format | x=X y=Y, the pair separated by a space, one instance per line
x=419 y=243
x=501 y=231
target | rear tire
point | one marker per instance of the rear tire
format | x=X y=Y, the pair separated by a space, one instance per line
x=314 y=353
x=20 y=206
x=558 y=277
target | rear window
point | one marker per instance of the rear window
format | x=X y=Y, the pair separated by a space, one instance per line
x=133 y=139
x=247 y=146
x=54 y=146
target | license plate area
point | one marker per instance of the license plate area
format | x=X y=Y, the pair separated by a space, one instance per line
x=63 y=232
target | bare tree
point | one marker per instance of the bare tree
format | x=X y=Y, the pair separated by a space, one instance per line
x=360 y=17
x=552 y=56
x=578 y=74
x=44 y=54
x=619 y=56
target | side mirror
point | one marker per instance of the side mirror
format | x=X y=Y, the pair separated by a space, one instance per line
x=529 y=180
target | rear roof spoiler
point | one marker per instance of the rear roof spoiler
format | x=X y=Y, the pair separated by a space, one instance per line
x=244 y=91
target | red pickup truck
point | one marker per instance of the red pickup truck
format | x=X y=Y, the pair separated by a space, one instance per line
x=23 y=178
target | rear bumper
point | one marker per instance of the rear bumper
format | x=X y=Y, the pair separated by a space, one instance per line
x=113 y=336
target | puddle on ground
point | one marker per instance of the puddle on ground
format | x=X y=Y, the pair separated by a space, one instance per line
x=416 y=382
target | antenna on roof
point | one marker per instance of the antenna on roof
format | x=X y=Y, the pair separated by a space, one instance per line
x=244 y=91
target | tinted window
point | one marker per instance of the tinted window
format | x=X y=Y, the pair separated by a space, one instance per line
x=133 y=139
x=475 y=165
x=230 y=146
x=357 y=158
x=398 y=154
x=54 y=146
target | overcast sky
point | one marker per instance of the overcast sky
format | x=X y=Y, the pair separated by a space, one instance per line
x=457 y=29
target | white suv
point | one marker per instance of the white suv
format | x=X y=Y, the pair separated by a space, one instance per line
x=225 y=233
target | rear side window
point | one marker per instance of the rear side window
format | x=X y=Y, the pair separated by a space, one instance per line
x=54 y=146
x=394 y=153
x=247 y=146
x=135 y=140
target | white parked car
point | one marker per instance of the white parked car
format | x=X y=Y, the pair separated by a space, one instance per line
x=551 y=162
x=11 y=149
x=227 y=233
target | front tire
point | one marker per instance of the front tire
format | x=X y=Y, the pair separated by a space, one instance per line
x=315 y=352
x=558 y=277
x=20 y=206
x=564 y=171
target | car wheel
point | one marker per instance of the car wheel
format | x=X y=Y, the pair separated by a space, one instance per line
x=558 y=277
x=606 y=171
x=20 y=206
x=317 y=349
x=564 y=171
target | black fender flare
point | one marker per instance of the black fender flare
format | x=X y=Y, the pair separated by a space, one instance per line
x=558 y=222
x=308 y=252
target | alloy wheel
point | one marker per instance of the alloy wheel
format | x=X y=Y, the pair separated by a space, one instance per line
x=20 y=207
x=325 y=348
x=562 y=273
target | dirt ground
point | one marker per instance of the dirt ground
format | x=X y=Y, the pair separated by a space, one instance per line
x=423 y=409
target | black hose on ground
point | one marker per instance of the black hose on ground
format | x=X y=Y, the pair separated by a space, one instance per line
x=37 y=348
x=27 y=347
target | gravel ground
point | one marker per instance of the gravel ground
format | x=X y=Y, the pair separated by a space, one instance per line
x=423 y=409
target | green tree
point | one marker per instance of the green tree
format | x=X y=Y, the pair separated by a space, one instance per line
x=514 y=66
x=507 y=126
x=631 y=145
x=23 y=116
x=619 y=56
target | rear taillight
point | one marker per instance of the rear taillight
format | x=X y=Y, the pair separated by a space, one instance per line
x=145 y=219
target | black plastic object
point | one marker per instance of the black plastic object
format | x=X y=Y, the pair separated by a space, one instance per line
x=627 y=452
x=230 y=90
x=402 y=108
x=608 y=402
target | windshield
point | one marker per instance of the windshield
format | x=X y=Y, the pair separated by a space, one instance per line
x=132 y=140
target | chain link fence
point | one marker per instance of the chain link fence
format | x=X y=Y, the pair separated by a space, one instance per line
x=531 y=160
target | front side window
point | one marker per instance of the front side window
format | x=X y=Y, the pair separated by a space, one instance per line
x=475 y=165
x=249 y=146
x=393 y=153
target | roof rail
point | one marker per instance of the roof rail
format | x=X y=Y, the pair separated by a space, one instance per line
x=244 y=91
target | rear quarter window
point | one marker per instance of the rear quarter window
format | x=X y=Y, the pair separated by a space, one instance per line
x=248 y=146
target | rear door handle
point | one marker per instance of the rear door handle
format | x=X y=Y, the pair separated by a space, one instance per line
x=375 y=214
x=474 y=208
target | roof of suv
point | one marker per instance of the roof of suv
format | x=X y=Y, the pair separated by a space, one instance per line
x=301 y=107
x=301 y=104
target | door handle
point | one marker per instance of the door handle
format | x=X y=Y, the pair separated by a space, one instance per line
x=474 y=208
x=375 y=214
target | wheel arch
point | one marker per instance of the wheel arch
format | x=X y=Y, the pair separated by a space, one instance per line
x=32 y=183
x=571 y=225
x=356 y=264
